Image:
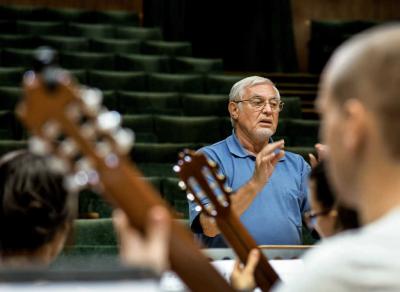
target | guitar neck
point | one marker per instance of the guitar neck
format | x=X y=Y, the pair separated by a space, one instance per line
x=185 y=257
x=242 y=242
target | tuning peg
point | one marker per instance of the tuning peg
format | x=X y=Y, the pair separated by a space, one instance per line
x=88 y=130
x=211 y=163
x=57 y=164
x=111 y=160
x=51 y=129
x=228 y=189
x=197 y=208
x=68 y=148
x=124 y=139
x=76 y=182
x=103 y=148
x=187 y=158
x=176 y=168
x=108 y=121
x=39 y=146
x=190 y=196
x=92 y=99
x=221 y=177
x=182 y=185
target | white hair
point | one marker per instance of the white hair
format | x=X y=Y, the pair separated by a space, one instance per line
x=239 y=87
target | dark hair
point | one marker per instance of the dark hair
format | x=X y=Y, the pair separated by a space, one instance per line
x=34 y=205
x=347 y=218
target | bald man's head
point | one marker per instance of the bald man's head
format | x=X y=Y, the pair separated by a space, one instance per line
x=368 y=68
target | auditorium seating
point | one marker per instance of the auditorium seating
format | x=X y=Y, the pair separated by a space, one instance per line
x=171 y=99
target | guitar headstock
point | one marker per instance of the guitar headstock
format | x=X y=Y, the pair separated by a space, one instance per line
x=69 y=122
x=203 y=183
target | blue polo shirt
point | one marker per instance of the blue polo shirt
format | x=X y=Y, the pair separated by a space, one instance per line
x=275 y=215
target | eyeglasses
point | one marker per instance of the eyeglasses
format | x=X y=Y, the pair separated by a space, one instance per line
x=310 y=217
x=259 y=103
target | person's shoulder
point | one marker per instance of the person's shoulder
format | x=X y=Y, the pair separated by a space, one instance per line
x=326 y=266
x=218 y=147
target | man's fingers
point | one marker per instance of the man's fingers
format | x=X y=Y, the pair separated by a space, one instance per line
x=158 y=224
x=271 y=147
x=277 y=157
x=313 y=160
x=322 y=150
x=252 y=261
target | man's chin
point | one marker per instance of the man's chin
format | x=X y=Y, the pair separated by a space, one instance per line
x=264 y=134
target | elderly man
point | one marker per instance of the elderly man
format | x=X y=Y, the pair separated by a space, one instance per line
x=270 y=186
x=360 y=106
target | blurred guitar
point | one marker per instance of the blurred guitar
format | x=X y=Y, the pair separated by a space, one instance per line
x=69 y=123
x=203 y=183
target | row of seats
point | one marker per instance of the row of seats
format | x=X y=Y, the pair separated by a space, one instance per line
x=184 y=129
x=120 y=62
x=55 y=28
x=36 y=13
x=20 y=45
x=172 y=103
x=156 y=82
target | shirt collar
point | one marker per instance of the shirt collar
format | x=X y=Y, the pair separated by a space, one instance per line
x=235 y=148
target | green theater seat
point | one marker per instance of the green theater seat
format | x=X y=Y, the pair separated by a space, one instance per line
x=65 y=15
x=115 y=17
x=303 y=151
x=197 y=65
x=134 y=102
x=10 y=128
x=9 y=97
x=146 y=63
x=117 y=46
x=79 y=74
x=142 y=126
x=92 y=203
x=11 y=145
x=39 y=28
x=205 y=104
x=291 y=108
x=94 y=232
x=158 y=152
x=175 y=129
x=156 y=169
x=221 y=84
x=171 y=191
x=87 y=60
x=192 y=83
x=138 y=33
x=171 y=49
x=64 y=43
x=17 y=41
x=11 y=76
x=13 y=12
x=17 y=58
x=91 y=30
x=302 y=132
x=112 y=80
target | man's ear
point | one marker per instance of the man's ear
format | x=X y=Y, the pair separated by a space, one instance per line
x=355 y=125
x=233 y=109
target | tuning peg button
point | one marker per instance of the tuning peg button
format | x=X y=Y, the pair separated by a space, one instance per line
x=39 y=146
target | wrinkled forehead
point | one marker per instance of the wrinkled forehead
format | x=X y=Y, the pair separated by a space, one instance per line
x=264 y=90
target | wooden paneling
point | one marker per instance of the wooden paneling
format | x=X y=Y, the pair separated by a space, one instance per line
x=306 y=10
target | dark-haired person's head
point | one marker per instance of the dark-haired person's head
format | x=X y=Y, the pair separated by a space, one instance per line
x=327 y=216
x=35 y=210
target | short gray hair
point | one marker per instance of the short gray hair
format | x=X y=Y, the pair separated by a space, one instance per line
x=239 y=87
